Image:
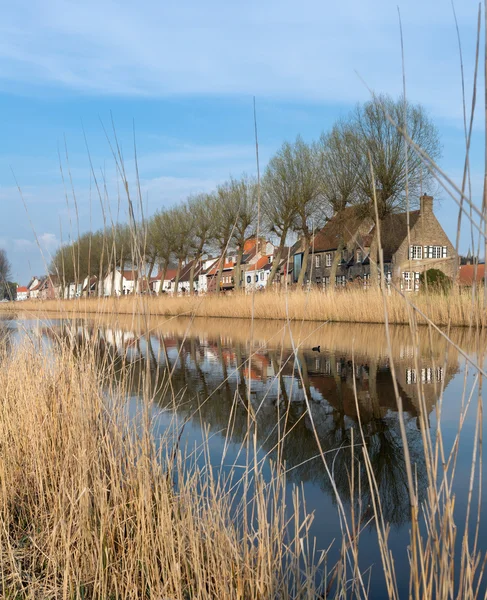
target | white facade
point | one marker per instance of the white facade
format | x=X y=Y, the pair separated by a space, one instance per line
x=118 y=284
x=22 y=295
x=256 y=279
x=202 y=278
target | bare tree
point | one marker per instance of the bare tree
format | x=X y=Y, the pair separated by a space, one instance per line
x=200 y=207
x=278 y=201
x=182 y=227
x=5 y=271
x=377 y=141
x=339 y=178
x=242 y=204
x=161 y=238
x=224 y=218
x=305 y=173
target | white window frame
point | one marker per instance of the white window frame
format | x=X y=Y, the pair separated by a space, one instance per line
x=359 y=256
x=416 y=252
x=317 y=261
x=262 y=276
x=407 y=281
x=436 y=252
x=328 y=259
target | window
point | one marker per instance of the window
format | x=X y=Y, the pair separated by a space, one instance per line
x=328 y=259
x=298 y=263
x=416 y=282
x=340 y=280
x=408 y=284
x=411 y=376
x=256 y=278
x=416 y=252
x=359 y=256
x=426 y=375
x=262 y=276
x=326 y=281
x=249 y=279
x=435 y=252
x=317 y=261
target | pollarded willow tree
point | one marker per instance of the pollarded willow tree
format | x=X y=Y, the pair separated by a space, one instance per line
x=339 y=178
x=384 y=163
x=305 y=171
x=278 y=201
x=242 y=211
x=5 y=267
x=200 y=207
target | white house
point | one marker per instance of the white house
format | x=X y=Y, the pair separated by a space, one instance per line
x=119 y=283
x=22 y=292
x=155 y=282
x=34 y=287
x=202 y=277
x=256 y=275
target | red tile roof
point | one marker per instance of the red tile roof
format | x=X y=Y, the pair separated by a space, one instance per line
x=22 y=288
x=260 y=264
x=170 y=274
x=129 y=275
x=226 y=266
x=467 y=274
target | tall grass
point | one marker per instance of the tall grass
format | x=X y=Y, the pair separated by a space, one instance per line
x=92 y=505
x=458 y=308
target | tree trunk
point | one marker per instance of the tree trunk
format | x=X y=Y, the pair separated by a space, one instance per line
x=304 y=264
x=373 y=260
x=220 y=269
x=191 y=276
x=238 y=267
x=277 y=258
x=178 y=273
x=335 y=263
x=196 y=260
x=163 y=274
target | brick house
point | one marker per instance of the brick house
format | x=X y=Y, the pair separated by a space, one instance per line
x=345 y=242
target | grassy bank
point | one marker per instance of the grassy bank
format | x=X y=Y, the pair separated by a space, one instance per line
x=458 y=308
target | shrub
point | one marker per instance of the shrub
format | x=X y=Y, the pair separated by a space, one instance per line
x=435 y=279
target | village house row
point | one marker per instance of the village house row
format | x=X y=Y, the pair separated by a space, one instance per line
x=339 y=251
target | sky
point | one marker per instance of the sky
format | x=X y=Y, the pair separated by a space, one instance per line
x=175 y=82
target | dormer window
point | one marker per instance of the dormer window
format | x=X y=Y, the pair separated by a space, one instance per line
x=359 y=256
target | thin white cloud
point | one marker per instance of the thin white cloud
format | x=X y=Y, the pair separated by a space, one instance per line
x=275 y=49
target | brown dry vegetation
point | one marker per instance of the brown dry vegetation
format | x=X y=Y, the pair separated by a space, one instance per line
x=89 y=508
x=458 y=308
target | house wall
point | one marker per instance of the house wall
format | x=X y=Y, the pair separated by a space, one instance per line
x=427 y=231
x=115 y=285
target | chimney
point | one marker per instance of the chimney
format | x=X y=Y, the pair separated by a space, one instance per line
x=426 y=203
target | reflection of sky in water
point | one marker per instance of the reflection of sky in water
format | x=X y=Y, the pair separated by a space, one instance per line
x=217 y=377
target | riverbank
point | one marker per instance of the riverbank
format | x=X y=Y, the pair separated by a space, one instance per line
x=457 y=308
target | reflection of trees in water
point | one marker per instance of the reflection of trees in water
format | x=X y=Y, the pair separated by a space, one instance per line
x=214 y=374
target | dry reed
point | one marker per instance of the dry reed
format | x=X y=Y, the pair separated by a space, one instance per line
x=457 y=308
x=89 y=507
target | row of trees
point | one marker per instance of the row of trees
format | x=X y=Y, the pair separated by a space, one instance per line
x=363 y=156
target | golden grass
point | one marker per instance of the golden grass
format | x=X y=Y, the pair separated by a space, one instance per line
x=89 y=507
x=351 y=306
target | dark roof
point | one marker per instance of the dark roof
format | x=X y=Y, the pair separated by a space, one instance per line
x=395 y=230
x=184 y=276
x=345 y=223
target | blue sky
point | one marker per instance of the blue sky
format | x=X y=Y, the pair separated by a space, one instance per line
x=184 y=74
